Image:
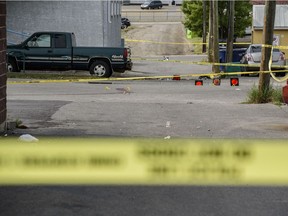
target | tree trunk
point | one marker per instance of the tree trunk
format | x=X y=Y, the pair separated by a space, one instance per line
x=204 y=27
x=215 y=68
x=230 y=38
x=211 y=35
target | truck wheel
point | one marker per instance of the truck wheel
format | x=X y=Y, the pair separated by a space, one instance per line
x=100 y=69
x=11 y=66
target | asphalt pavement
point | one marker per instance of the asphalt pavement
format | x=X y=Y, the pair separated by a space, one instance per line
x=143 y=109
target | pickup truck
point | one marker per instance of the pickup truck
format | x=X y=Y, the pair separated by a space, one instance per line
x=58 y=51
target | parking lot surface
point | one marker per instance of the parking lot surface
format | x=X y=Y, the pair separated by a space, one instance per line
x=142 y=109
x=164 y=109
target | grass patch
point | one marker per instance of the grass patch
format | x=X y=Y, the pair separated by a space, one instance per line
x=197 y=48
x=48 y=76
x=18 y=122
x=20 y=125
x=129 y=28
x=271 y=95
x=193 y=38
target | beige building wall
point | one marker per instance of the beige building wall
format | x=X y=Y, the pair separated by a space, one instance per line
x=280 y=35
x=280 y=24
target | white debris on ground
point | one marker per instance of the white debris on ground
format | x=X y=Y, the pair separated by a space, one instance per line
x=28 y=138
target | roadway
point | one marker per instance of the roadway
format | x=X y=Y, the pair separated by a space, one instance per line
x=166 y=14
x=137 y=8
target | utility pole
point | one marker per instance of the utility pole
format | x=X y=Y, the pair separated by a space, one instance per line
x=215 y=68
x=268 y=29
x=204 y=27
x=230 y=38
x=211 y=34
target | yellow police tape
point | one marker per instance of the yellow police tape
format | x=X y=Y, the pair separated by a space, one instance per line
x=144 y=161
x=211 y=75
x=199 y=43
x=179 y=43
x=206 y=63
x=164 y=77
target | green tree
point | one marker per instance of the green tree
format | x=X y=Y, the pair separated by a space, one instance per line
x=193 y=11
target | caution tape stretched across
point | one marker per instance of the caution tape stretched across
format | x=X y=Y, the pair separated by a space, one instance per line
x=164 y=77
x=209 y=74
x=143 y=162
x=199 y=43
x=280 y=69
x=206 y=63
x=179 y=43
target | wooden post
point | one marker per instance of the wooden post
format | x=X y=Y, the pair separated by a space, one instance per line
x=268 y=29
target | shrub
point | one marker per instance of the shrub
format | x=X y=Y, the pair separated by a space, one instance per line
x=270 y=95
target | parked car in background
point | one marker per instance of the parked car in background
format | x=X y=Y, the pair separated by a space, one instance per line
x=252 y=58
x=154 y=4
x=125 y=23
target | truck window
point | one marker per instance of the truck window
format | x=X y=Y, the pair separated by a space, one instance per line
x=42 y=40
x=60 y=41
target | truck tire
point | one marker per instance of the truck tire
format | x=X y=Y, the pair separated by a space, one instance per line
x=100 y=69
x=12 y=66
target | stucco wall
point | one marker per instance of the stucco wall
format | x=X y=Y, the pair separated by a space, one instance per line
x=3 y=110
x=95 y=23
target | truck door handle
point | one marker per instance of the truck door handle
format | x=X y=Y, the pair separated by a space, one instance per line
x=49 y=51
